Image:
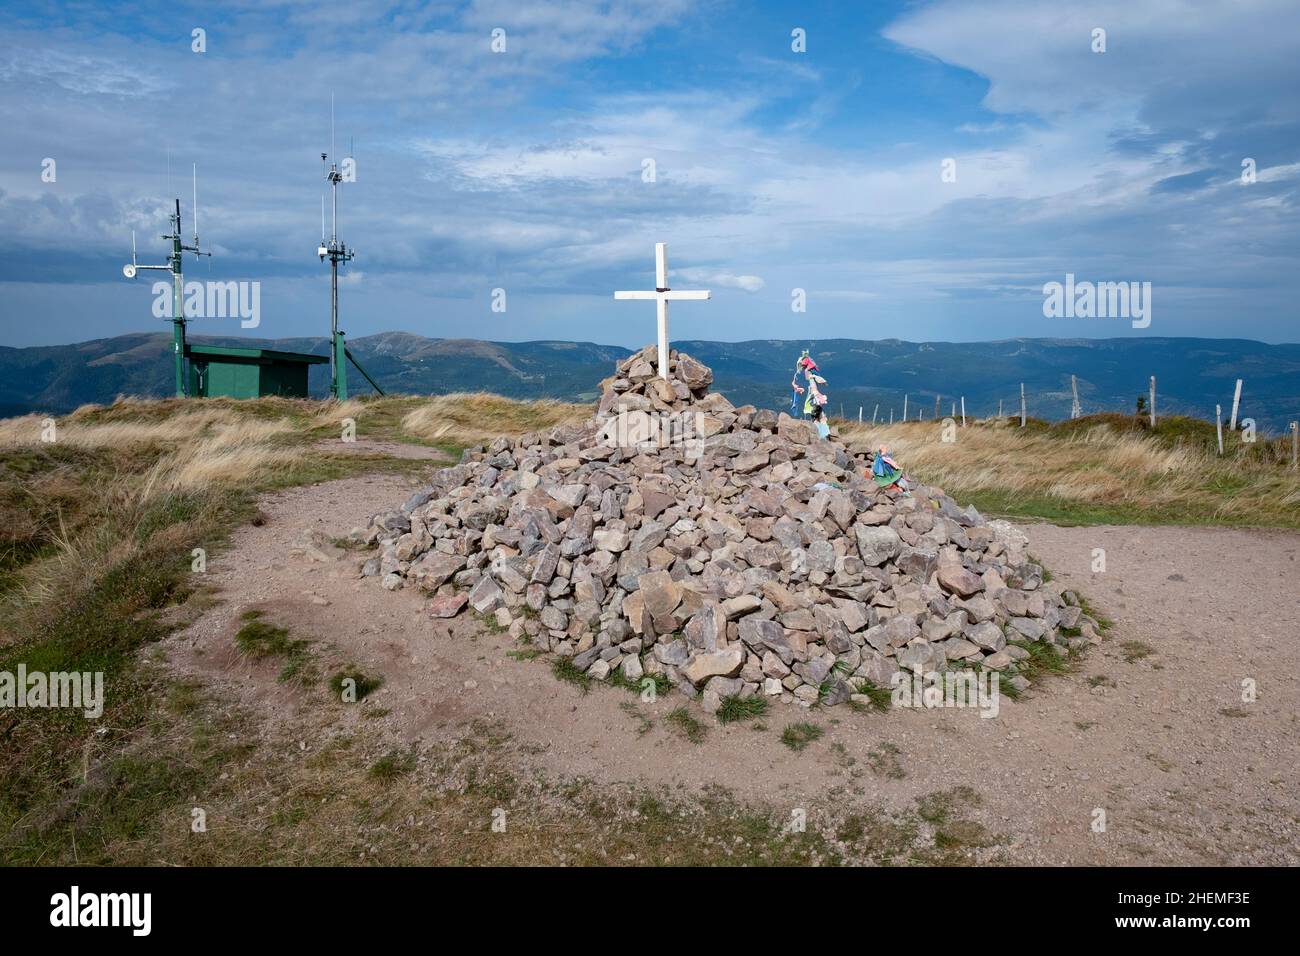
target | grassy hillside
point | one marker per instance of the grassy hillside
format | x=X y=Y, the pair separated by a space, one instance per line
x=1110 y=469
x=99 y=527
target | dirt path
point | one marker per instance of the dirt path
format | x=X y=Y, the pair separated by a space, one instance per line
x=1184 y=770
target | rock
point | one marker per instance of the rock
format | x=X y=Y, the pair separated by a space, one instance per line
x=706 y=630
x=553 y=618
x=613 y=541
x=547 y=561
x=694 y=375
x=839 y=692
x=486 y=596
x=854 y=614
x=673 y=653
x=660 y=593
x=1031 y=628
x=957 y=580
x=988 y=636
x=921 y=656
x=730 y=549
x=959 y=649
x=918 y=563
x=447 y=605
x=877 y=544
x=713 y=664
x=632 y=668
x=434 y=569
x=807 y=694
x=739 y=606
x=997 y=661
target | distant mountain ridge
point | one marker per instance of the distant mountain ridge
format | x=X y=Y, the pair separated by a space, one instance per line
x=1191 y=374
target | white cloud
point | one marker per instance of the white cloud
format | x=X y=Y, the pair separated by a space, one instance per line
x=725 y=279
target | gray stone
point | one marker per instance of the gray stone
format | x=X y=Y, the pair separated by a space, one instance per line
x=486 y=595
x=877 y=545
x=957 y=580
x=713 y=664
x=987 y=636
x=553 y=618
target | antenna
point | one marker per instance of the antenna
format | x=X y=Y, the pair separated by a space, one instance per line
x=173 y=265
x=336 y=252
x=129 y=269
x=194 y=171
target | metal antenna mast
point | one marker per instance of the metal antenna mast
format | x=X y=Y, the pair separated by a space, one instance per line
x=337 y=252
x=174 y=262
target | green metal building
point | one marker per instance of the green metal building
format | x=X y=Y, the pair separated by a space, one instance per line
x=248 y=373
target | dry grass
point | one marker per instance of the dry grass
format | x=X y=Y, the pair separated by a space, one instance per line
x=1094 y=471
x=467 y=418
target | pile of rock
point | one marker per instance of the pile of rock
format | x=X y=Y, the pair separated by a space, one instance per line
x=730 y=549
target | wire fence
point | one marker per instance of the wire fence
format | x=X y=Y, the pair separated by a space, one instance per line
x=890 y=406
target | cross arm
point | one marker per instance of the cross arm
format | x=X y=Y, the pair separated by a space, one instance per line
x=669 y=295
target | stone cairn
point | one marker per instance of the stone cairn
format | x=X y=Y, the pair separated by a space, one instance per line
x=729 y=549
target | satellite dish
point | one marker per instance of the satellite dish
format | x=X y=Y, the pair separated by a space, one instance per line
x=128 y=270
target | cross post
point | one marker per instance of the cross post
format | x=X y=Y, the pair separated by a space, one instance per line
x=661 y=296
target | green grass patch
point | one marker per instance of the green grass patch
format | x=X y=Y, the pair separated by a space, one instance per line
x=881 y=698
x=685 y=723
x=643 y=721
x=1104 y=623
x=799 y=735
x=352 y=683
x=1135 y=651
x=1044 y=659
x=263 y=641
x=884 y=760
x=565 y=670
x=392 y=765
x=736 y=708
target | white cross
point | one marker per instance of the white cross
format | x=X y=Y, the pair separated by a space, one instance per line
x=661 y=295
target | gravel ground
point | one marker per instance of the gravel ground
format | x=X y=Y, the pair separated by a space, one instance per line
x=1150 y=729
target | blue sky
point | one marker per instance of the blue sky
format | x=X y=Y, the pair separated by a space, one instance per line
x=775 y=170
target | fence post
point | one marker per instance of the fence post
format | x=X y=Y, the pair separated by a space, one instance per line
x=999 y=408
x=1236 y=401
x=859 y=414
x=1218 y=425
x=1075 y=410
x=963 y=411
x=1022 y=404
x=1153 y=401
x=891 y=416
x=873 y=413
x=904 y=406
x=936 y=407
